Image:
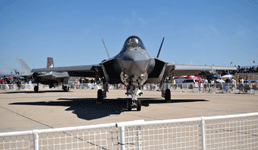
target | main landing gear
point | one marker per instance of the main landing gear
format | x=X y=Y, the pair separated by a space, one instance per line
x=36 y=88
x=102 y=94
x=132 y=103
x=66 y=88
x=100 y=97
x=166 y=93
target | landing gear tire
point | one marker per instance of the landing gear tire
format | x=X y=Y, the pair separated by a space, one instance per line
x=100 y=97
x=36 y=89
x=167 y=95
x=139 y=105
x=66 y=88
x=50 y=86
x=130 y=105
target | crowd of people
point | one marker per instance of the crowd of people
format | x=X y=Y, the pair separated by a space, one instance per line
x=244 y=69
x=251 y=69
x=5 y=80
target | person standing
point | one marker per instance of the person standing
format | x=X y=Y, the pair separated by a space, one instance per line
x=199 y=85
x=225 y=85
x=174 y=83
x=242 y=81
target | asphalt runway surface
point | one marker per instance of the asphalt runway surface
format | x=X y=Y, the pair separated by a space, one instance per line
x=26 y=110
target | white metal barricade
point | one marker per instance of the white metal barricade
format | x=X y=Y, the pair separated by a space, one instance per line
x=163 y=134
x=104 y=136
x=219 y=132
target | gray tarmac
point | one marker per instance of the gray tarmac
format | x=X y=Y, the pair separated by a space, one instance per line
x=26 y=110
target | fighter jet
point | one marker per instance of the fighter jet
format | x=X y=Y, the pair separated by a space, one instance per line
x=133 y=66
x=50 y=78
x=11 y=75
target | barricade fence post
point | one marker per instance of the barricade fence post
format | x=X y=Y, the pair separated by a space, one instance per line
x=36 y=139
x=139 y=138
x=203 y=133
x=122 y=137
x=251 y=89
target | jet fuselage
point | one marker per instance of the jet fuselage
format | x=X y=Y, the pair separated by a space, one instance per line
x=52 y=78
x=133 y=64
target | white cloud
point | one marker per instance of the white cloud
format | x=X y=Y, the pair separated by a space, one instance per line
x=213 y=28
x=135 y=18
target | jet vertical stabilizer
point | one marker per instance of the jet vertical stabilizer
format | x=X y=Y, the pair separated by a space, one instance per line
x=24 y=66
x=160 y=47
x=105 y=48
x=50 y=62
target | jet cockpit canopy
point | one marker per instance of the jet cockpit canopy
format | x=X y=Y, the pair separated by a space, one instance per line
x=133 y=42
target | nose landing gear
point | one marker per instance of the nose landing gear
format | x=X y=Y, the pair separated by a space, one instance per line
x=134 y=102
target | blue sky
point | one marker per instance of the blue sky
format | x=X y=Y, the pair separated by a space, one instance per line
x=196 y=31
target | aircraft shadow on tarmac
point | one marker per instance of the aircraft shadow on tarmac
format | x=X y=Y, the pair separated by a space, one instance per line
x=86 y=108
x=48 y=91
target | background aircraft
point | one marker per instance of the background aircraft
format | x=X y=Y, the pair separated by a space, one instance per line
x=10 y=75
x=133 y=67
x=50 y=78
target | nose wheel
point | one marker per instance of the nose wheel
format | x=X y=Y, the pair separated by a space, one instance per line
x=134 y=104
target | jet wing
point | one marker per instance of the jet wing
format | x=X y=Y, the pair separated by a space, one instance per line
x=79 y=71
x=178 y=69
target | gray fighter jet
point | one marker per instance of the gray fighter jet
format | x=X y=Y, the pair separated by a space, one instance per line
x=50 y=78
x=133 y=67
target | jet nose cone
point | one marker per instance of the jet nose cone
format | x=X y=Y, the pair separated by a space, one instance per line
x=135 y=62
x=135 y=67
